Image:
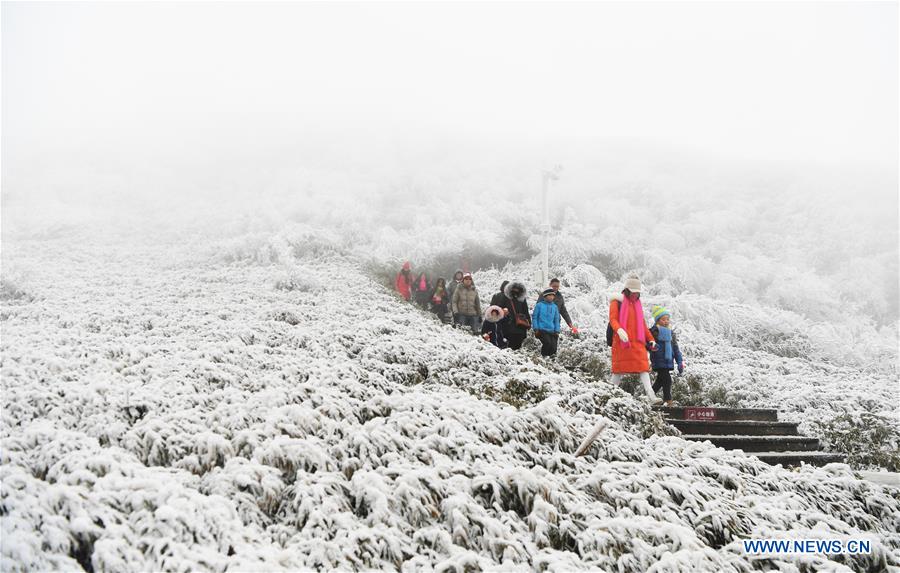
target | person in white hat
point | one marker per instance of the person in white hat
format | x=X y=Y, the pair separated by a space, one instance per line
x=631 y=336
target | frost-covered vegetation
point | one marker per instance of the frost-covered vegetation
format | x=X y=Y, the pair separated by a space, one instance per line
x=254 y=398
x=163 y=412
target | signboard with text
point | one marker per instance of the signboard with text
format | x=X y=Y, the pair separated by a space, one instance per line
x=699 y=413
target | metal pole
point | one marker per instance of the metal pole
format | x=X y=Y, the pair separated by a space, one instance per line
x=545 y=269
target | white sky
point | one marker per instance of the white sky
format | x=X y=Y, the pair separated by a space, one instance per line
x=796 y=81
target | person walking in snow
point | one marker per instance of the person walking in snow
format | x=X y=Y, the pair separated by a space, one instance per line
x=421 y=290
x=667 y=354
x=561 y=305
x=457 y=280
x=466 y=305
x=518 y=320
x=630 y=335
x=499 y=298
x=403 y=282
x=545 y=322
x=492 y=327
x=440 y=299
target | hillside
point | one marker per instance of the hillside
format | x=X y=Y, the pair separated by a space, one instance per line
x=261 y=402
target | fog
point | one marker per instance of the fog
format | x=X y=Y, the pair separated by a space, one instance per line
x=208 y=100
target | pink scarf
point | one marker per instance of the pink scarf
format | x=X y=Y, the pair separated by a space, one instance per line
x=422 y=284
x=626 y=307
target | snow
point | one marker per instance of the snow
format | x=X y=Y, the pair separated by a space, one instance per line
x=263 y=403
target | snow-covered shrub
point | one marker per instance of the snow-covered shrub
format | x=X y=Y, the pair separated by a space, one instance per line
x=300 y=280
x=10 y=291
x=691 y=389
x=868 y=439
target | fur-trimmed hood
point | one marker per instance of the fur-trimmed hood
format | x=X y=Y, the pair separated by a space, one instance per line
x=617 y=296
x=512 y=285
x=489 y=310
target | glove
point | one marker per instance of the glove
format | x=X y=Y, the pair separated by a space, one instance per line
x=653 y=347
x=623 y=336
x=574 y=329
x=681 y=367
x=537 y=333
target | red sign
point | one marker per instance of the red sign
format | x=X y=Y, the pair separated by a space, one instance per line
x=699 y=413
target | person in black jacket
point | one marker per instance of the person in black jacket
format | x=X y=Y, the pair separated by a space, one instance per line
x=499 y=299
x=561 y=305
x=492 y=327
x=518 y=321
x=421 y=290
x=440 y=300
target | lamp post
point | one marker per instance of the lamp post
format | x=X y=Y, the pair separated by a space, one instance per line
x=548 y=175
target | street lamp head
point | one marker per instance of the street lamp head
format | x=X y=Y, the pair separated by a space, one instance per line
x=553 y=174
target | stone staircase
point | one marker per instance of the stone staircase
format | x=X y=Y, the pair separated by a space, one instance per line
x=755 y=431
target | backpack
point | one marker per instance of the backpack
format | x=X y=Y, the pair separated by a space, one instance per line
x=609 y=331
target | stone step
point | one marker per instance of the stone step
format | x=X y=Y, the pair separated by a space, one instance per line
x=720 y=414
x=796 y=458
x=735 y=428
x=752 y=444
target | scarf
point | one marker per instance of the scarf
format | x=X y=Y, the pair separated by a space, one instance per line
x=627 y=307
x=665 y=339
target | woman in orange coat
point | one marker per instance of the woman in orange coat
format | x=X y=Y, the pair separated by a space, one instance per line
x=631 y=335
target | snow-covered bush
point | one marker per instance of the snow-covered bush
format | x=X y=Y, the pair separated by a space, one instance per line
x=868 y=439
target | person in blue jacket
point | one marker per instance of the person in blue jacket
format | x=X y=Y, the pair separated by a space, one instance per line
x=545 y=322
x=666 y=355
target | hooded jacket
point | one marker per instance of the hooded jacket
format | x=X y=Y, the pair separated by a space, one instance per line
x=494 y=328
x=545 y=317
x=516 y=305
x=560 y=303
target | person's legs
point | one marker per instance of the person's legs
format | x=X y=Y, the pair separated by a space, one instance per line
x=658 y=384
x=553 y=340
x=645 y=380
x=616 y=379
x=471 y=322
x=515 y=340
x=664 y=379
x=546 y=344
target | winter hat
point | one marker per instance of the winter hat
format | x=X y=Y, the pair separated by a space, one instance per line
x=406 y=266
x=658 y=312
x=488 y=312
x=548 y=291
x=467 y=276
x=633 y=283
